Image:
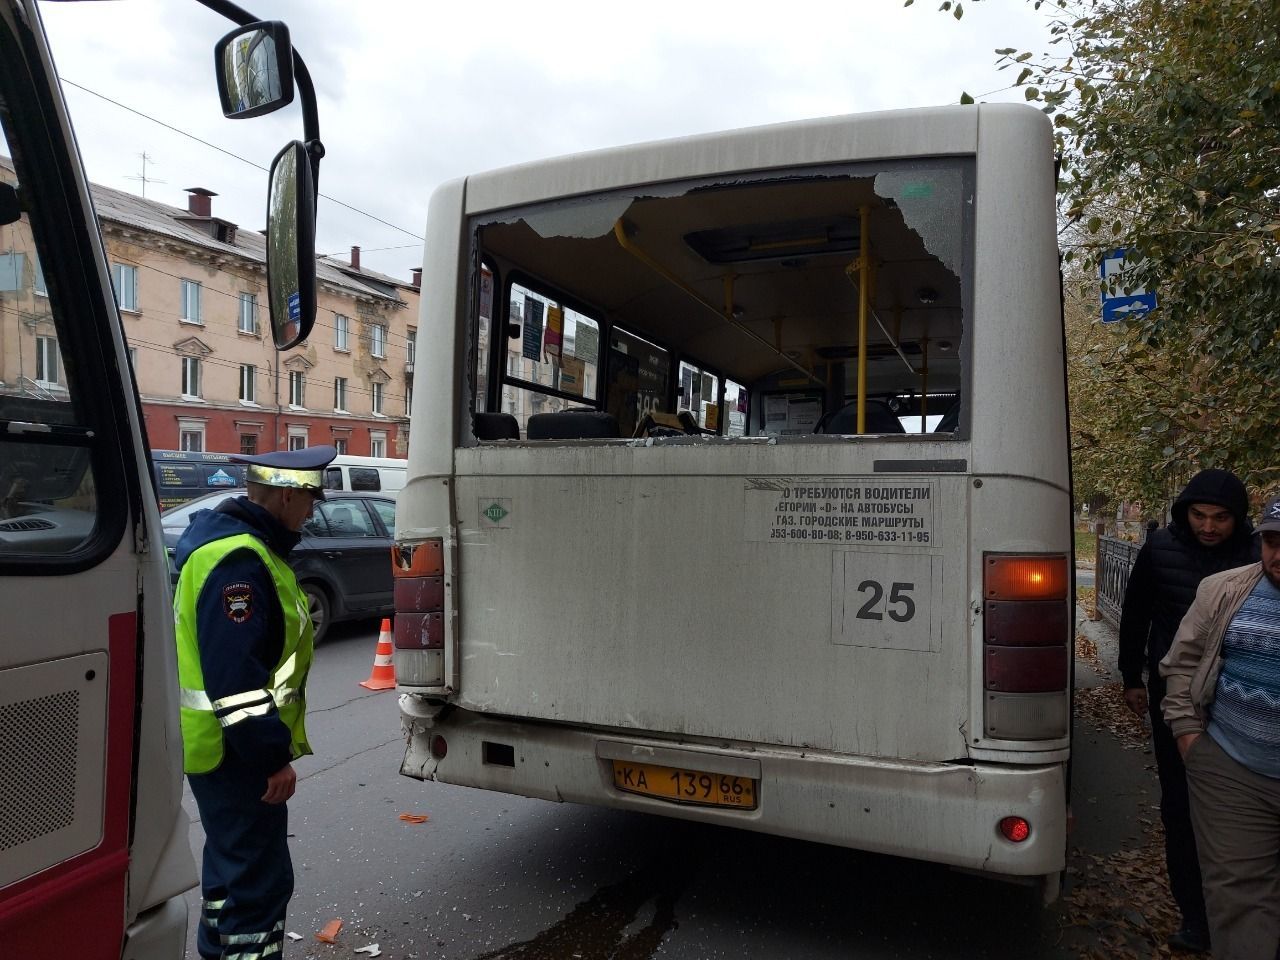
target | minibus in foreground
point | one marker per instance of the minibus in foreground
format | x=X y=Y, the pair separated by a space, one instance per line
x=95 y=853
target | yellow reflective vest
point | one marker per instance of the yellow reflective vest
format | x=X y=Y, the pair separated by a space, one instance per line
x=203 y=720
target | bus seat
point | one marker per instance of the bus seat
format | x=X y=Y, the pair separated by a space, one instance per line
x=495 y=426
x=690 y=425
x=650 y=426
x=573 y=425
x=880 y=419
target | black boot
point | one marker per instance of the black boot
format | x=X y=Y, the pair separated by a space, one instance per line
x=1190 y=938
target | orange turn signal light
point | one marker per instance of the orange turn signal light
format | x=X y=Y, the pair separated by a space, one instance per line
x=1025 y=577
x=425 y=559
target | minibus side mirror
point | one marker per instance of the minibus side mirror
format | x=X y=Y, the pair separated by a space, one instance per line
x=254 y=64
x=291 y=242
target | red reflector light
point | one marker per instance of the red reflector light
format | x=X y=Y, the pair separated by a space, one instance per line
x=1025 y=623
x=438 y=747
x=1025 y=577
x=419 y=631
x=1013 y=828
x=418 y=594
x=1025 y=669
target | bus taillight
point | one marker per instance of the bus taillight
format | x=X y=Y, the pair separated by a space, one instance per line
x=418 y=571
x=1015 y=829
x=1026 y=663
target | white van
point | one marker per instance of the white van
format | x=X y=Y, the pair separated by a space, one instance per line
x=381 y=474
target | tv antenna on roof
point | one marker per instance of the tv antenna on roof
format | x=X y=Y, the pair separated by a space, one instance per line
x=144 y=178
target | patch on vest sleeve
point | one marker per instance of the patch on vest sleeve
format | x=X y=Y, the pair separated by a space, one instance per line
x=237 y=602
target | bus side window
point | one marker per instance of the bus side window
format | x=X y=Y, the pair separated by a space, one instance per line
x=332 y=478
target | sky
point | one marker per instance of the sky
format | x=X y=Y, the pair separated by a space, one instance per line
x=414 y=93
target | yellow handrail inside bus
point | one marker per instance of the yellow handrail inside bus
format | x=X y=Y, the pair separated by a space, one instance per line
x=864 y=304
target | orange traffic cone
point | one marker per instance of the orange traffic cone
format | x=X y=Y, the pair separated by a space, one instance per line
x=383 y=676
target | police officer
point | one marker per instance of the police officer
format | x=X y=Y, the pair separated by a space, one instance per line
x=244 y=649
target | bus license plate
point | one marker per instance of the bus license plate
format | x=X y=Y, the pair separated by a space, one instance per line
x=685 y=786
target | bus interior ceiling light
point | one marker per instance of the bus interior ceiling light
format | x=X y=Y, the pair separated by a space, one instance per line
x=775 y=241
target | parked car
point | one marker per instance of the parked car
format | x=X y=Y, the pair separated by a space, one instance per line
x=343 y=562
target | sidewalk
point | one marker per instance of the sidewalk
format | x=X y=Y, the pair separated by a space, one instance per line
x=1114 y=789
x=1116 y=895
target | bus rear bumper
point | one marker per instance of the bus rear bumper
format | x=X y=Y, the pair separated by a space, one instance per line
x=939 y=812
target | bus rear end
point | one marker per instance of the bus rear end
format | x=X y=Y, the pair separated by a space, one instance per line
x=753 y=507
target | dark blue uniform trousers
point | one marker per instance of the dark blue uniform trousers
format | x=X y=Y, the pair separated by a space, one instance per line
x=247 y=878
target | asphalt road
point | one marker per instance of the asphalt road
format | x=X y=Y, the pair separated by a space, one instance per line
x=495 y=877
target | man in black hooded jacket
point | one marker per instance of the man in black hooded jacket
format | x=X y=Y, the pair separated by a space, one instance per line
x=1210 y=532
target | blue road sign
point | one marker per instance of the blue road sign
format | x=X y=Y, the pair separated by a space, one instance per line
x=1124 y=303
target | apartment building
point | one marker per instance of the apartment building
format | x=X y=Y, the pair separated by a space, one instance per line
x=192 y=293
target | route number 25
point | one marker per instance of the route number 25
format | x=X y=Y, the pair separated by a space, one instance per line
x=900 y=606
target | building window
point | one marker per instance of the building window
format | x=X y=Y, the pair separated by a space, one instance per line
x=248 y=383
x=375 y=390
x=248 y=444
x=191 y=376
x=125 y=279
x=38 y=280
x=378 y=340
x=191 y=436
x=340 y=394
x=412 y=346
x=297 y=438
x=191 y=302
x=47 y=364
x=377 y=443
x=297 y=389
x=340 y=444
x=340 y=327
x=133 y=359
x=408 y=399
x=249 y=313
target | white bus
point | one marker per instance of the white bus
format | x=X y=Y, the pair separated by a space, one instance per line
x=739 y=487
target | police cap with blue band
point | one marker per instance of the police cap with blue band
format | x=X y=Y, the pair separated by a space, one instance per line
x=302 y=469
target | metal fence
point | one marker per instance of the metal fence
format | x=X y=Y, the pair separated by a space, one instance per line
x=1115 y=560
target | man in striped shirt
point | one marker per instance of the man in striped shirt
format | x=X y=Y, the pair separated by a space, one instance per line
x=1223 y=706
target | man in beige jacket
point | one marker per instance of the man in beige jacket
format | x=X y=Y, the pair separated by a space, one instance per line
x=1223 y=706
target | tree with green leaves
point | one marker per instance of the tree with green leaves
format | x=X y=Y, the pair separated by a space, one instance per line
x=1167 y=115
